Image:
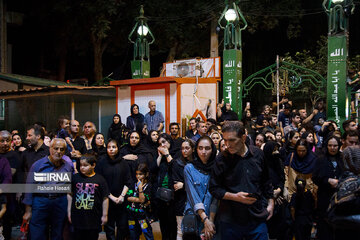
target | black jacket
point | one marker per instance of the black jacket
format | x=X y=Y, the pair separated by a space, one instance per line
x=324 y=170
x=234 y=174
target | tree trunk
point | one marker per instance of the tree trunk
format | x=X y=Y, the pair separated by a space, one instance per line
x=171 y=56
x=214 y=42
x=172 y=52
x=97 y=61
x=98 y=52
x=62 y=64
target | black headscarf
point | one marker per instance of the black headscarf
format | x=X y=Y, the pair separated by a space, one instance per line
x=274 y=161
x=198 y=163
x=138 y=118
x=351 y=158
x=136 y=150
x=115 y=126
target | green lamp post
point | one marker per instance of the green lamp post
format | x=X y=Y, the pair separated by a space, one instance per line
x=232 y=55
x=338 y=16
x=140 y=65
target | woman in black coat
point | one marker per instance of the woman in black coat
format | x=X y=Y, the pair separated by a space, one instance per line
x=327 y=172
x=117 y=175
x=135 y=122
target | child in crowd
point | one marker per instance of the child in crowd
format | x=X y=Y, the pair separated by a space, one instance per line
x=88 y=204
x=138 y=197
x=2 y=212
x=63 y=133
x=302 y=208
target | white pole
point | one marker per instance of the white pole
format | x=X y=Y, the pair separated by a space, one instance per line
x=72 y=109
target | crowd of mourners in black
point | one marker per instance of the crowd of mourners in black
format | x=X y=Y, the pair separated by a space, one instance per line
x=140 y=175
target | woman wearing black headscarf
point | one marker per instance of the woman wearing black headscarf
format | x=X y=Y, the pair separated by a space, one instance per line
x=344 y=212
x=136 y=120
x=327 y=172
x=116 y=130
x=279 y=224
x=117 y=175
x=98 y=145
x=197 y=176
x=151 y=141
x=165 y=207
x=135 y=153
x=300 y=164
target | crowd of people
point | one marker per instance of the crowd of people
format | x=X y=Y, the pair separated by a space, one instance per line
x=272 y=176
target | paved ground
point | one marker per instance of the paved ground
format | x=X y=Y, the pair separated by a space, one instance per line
x=155 y=226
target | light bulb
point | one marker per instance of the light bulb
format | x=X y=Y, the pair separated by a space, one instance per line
x=230 y=15
x=143 y=30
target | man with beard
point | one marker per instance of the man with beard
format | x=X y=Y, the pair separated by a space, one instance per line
x=47 y=211
x=13 y=158
x=89 y=130
x=174 y=128
x=36 y=148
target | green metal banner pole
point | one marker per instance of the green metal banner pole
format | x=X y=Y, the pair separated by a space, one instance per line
x=336 y=78
x=232 y=76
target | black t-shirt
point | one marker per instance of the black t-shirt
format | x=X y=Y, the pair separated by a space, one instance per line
x=88 y=194
x=139 y=210
x=79 y=144
x=15 y=163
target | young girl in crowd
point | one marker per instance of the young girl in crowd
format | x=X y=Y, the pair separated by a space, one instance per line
x=138 y=197
x=64 y=124
x=302 y=208
x=88 y=203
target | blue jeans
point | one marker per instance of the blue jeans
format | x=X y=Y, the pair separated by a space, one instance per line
x=239 y=232
x=48 y=212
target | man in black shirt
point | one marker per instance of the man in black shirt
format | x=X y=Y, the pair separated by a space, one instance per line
x=174 y=128
x=36 y=148
x=77 y=141
x=241 y=181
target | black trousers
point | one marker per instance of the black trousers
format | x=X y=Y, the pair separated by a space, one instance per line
x=88 y=234
x=167 y=218
x=117 y=221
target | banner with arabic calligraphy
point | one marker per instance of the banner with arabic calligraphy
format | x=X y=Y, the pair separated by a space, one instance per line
x=336 y=78
x=232 y=75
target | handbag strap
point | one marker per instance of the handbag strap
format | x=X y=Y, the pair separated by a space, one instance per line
x=291 y=158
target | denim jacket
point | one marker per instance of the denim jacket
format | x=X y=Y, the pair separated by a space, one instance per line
x=196 y=184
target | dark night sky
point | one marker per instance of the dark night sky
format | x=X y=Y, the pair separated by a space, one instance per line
x=34 y=51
